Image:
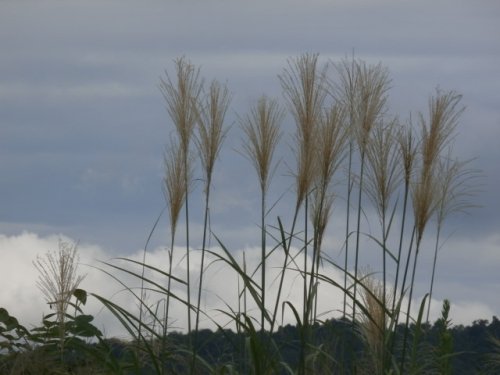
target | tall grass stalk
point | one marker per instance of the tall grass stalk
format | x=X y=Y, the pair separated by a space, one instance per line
x=363 y=90
x=211 y=133
x=320 y=214
x=262 y=131
x=383 y=178
x=456 y=187
x=143 y=290
x=437 y=133
x=304 y=86
x=331 y=142
x=182 y=99
x=344 y=93
x=174 y=190
x=424 y=202
x=285 y=244
x=407 y=151
x=347 y=227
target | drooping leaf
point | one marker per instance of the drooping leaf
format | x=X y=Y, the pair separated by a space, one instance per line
x=80 y=295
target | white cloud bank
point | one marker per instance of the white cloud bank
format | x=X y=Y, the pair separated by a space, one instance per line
x=20 y=296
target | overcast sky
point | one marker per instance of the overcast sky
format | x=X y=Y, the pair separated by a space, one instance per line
x=83 y=125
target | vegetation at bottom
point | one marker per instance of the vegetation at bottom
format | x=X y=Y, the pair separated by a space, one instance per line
x=398 y=182
x=336 y=348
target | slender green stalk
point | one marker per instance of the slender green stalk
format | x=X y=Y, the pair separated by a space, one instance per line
x=202 y=266
x=407 y=150
x=174 y=190
x=263 y=258
x=244 y=315
x=262 y=130
x=143 y=292
x=362 y=91
x=384 y=288
x=245 y=311
x=424 y=196
x=383 y=179
x=305 y=88
x=188 y=266
x=181 y=98
x=455 y=185
x=321 y=210
x=305 y=307
x=405 y=337
x=407 y=265
x=286 y=248
x=167 y=303
x=358 y=231
x=436 y=135
x=400 y=247
x=347 y=228
x=436 y=248
x=331 y=140
x=211 y=133
x=345 y=92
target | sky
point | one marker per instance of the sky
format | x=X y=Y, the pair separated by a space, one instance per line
x=83 y=124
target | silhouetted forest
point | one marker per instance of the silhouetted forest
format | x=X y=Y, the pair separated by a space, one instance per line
x=473 y=346
x=474 y=349
x=336 y=346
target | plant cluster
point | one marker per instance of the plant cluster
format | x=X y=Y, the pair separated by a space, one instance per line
x=398 y=174
x=61 y=344
x=394 y=176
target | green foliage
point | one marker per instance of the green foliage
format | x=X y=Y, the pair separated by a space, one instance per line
x=334 y=347
x=13 y=334
x=444 y=350
x=38 y=351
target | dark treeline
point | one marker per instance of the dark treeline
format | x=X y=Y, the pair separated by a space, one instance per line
x=473 y=348
x=473 y=351
x=336 y=345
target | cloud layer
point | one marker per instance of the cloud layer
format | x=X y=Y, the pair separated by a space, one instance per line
x=221 y=287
